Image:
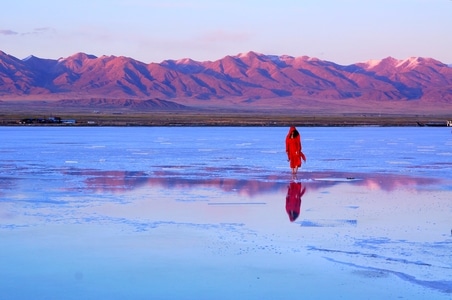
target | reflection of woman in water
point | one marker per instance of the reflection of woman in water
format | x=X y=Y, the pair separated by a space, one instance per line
x=293 y=149
x=293 y=199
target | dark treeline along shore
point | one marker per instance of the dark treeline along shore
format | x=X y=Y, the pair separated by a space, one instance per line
x=217 y=118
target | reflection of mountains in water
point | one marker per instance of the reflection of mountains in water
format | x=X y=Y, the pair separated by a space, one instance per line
x=122 y=181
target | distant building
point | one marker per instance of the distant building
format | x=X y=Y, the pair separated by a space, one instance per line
x=449 y=123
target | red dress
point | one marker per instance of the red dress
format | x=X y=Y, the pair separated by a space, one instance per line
x=293 y=152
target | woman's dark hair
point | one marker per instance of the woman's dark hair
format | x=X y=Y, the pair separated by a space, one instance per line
x=295 y=133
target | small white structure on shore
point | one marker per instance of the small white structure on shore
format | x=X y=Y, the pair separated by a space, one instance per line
x=449 y=123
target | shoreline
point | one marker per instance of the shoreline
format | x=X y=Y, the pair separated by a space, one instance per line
x=199 y=119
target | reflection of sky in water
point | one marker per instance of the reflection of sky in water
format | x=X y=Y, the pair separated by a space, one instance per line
x=203 y=213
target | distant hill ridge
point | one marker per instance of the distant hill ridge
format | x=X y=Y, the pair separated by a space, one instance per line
x=247 y=77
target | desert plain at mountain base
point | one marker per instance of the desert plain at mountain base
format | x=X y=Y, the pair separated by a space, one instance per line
x=117 y=112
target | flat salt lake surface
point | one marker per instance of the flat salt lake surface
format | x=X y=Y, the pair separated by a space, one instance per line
x=211 y=213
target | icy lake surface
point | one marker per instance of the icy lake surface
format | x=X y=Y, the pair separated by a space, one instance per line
x=214 y=213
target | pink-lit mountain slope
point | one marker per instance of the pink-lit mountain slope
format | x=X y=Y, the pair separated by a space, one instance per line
x=247 y=78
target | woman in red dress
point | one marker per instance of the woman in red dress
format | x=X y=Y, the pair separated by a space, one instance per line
x=293 y=149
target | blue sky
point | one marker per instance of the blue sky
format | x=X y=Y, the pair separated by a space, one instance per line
x=342 y=31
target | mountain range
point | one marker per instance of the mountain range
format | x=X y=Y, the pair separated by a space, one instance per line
x=244 y=80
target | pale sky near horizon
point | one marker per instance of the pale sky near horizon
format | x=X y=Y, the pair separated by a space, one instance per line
x=341 y=31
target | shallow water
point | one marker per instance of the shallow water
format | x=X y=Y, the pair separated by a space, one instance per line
x=205 y=213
